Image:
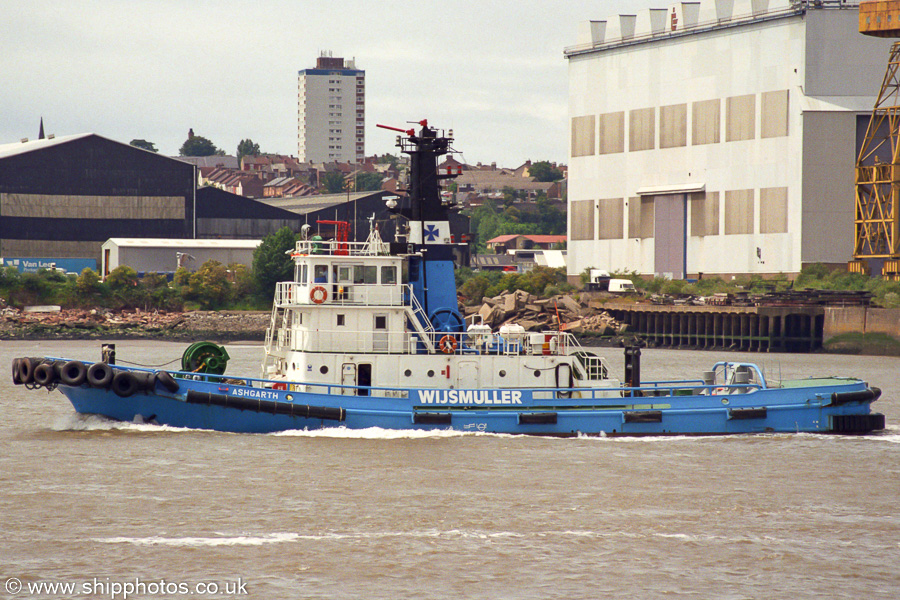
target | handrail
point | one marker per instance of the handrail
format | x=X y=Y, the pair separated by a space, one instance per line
x=559 y=393
x=798 y=7
x=337 y=248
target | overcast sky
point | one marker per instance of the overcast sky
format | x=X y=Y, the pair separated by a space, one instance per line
x=491 y=70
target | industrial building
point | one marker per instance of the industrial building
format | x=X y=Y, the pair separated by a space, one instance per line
x=718 y=137
x=146 y=255
x=331 y=112
x=62 y=197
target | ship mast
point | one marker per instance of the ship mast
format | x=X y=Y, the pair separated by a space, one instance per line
x=431 y=269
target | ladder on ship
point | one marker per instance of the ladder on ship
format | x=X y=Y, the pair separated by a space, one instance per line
x=420 y=321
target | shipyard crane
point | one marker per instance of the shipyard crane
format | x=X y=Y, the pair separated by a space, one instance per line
x=877 y=186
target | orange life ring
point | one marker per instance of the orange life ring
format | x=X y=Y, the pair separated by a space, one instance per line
x=318 y=294
x=448 y=344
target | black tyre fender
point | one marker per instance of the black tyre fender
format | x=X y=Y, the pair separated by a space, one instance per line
x=167 y=381
x=125 y=384
x=15 y=371
x=145 y=381
x=73 y=373
x=99 y=375
x=26 y=369
x=44 y=373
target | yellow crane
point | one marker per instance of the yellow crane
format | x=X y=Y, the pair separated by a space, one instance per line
x=878 y=164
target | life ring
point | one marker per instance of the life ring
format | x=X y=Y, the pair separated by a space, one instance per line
x=318 y=294
x=448 y=344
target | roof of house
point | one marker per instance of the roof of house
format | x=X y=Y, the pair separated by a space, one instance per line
x=537 y=239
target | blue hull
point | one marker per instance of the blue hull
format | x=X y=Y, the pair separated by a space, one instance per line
x=842 y=406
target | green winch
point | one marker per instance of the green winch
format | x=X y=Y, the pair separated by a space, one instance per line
x=204 y=357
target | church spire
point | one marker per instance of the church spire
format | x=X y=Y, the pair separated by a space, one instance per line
x=41 y=133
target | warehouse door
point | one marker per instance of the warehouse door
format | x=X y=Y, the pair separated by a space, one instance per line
x=670 y=217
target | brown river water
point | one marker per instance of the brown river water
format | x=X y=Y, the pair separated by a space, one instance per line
x=118 y=510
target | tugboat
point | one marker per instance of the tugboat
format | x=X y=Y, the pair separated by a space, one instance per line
x=369 y=334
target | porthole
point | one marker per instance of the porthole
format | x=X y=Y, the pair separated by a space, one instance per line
x=431 y=373
x=407 y=372
x=323 y=369
x=537 y=373
x=502 y=373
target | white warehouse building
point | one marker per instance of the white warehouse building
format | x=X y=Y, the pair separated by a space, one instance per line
x=718 y=137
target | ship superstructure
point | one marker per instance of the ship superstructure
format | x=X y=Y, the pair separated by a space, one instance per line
x=386 y=315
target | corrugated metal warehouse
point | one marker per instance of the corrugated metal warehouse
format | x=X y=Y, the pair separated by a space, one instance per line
x=718 y=137
x=63 y=197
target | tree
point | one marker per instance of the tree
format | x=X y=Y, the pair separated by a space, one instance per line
x=271 y=261
x=247 y=148
x=123 y=283
x=368 y=182
x=88 y=287
x=544 y=171
x=198 y=146
x=209 y=285
x=144 y=145
x=333 y=182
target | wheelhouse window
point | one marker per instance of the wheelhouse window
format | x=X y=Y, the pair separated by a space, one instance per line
x=369 y=274
x=388 y=275
x=340 y=320
x=343 y=273
x=304 y=274
x=321 y=274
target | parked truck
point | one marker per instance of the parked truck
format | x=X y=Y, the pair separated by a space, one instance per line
x=601 y=281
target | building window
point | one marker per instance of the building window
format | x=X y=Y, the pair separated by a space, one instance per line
x=774 y=114
x=738 y=212
x=340 y=320
x=705 y=122
x=740 y=118
x=583 y=135
x=640 y=217
x=773 y=210
x=641 y=129
x=610 y=212
x=673 y=126
x=611 y=134
x=704 y=213
x=582 y=219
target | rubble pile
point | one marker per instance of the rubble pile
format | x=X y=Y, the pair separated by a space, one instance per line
x=51 y=322
x=559 y=312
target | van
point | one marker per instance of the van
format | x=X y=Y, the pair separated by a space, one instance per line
x=621 y=286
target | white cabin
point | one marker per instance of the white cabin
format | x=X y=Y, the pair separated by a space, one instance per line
x=350 y=318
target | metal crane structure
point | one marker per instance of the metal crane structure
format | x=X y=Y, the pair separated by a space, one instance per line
x=878 y=165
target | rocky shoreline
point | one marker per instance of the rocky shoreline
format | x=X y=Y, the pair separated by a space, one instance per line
x=221 y=326
x=592 y=326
